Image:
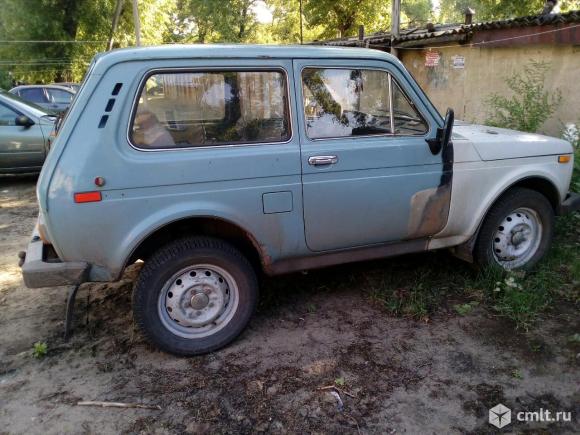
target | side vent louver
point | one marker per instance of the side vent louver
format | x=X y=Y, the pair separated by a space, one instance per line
x=103 y=121
x=117 y=88
x=110 y=105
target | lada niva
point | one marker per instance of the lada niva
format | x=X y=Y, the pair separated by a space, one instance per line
x=212 y=164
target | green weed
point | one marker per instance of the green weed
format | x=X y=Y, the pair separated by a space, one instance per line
x=39 y=349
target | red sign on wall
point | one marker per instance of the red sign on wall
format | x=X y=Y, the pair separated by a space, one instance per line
x=432 y=59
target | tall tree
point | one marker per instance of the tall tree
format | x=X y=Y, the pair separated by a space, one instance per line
x=285 y=27
x=215 y=21
x=416 y=12
x=81 y=26
x=342 y=18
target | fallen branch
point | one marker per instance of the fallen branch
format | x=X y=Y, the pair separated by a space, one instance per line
x=118 y=405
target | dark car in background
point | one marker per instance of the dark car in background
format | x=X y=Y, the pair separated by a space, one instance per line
x=55 y=98
x=25 y=130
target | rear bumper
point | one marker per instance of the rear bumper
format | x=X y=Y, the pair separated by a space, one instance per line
x=38 y=271
x=571 y=203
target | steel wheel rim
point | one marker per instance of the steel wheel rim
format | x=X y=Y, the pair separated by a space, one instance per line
x=517 y=238
x=198 y=301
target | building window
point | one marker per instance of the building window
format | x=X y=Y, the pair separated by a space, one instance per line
x=194 y=109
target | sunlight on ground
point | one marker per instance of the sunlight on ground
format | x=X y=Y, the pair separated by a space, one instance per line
x=10 y=276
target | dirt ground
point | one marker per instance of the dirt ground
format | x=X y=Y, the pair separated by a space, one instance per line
x=395 y=375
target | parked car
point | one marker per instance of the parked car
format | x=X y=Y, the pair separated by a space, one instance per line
x=213 y=164
x=52 y=97
x=24 y=134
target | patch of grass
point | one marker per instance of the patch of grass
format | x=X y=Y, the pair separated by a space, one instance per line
x=465 y=309
x=311 y=308
x=517 y=374
x=39 y=349
x=410 y=290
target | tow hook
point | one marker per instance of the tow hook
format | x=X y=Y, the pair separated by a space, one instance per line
x=21 y=258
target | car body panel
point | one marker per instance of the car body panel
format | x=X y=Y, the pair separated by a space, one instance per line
x=23 y=149
x=494 y=143
x=383 y=178
x=144 y=191
x=478 y=184
x=200 y=181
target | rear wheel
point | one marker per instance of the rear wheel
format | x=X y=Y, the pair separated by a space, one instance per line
x=194 y=296
x=517 y=231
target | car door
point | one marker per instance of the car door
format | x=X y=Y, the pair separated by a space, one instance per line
x=20 y=147
x=59 y=99
x=368 y=174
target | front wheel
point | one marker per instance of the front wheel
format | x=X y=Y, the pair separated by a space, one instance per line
x=194 y=296
x=517 y=231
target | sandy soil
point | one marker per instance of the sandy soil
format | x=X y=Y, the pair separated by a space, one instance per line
x=400 y=376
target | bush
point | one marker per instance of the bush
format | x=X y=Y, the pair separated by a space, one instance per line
x=5 y=80
x=529 y=106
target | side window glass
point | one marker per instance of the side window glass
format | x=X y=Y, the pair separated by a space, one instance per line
x=7 y=116
x=345 y=102
x=36 y=95
x=406 y=117
x=177 y=110
x=341 y=102
x=59 y=96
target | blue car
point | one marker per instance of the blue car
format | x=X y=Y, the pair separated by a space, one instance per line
x=214 y=164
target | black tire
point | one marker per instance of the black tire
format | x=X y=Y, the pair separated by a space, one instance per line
x=513 y=199
x=177 y=256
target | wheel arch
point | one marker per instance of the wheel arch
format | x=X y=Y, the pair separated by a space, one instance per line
x=212 y=226
x=537 y=183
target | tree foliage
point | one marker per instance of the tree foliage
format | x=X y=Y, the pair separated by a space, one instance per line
x=452 y=11
x=530 y=105
x=70 y=21
x=204 y=21
x=416 y=12
x=342 y=18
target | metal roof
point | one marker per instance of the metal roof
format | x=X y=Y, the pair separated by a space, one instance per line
x=448 y=31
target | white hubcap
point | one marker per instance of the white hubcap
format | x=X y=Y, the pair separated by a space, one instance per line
x=198 y=301
x=517 y=238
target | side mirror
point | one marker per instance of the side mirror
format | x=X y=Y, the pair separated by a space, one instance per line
x=24 y=121
x=443 y=136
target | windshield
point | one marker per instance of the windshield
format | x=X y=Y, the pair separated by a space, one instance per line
x=21 y=104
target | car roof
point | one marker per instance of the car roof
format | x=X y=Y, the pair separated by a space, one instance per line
x=62 y=88
x=235 y=51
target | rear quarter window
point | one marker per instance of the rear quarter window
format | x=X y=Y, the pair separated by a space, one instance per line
x=211 y=108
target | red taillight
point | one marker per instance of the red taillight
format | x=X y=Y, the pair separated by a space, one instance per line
x=87 y=197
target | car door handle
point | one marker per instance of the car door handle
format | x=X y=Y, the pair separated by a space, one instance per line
x=322 y=160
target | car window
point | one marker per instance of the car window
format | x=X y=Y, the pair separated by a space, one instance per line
x=177 y=110
x=59 y=96
x=341 y=102
x=7 y=116
x=36 y=95
x=406 y=117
